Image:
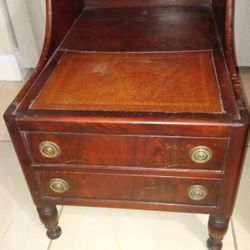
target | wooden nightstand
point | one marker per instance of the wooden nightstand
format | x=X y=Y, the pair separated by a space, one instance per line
x=134 y=104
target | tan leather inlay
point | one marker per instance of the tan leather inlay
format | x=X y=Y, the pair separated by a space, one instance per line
x=146 y=82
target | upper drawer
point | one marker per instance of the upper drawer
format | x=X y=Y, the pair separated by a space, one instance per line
x=122 y=150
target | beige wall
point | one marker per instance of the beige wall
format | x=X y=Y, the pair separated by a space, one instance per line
x=22 y=25
x=37 y=14
x=242 y=31
x=24 y=33
x=7 y=44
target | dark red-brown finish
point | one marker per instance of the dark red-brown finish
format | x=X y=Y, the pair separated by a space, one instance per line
x=132 y=89
x=146 y=29
x=111 y=82
x=133 y=151
x=66 y=10
x=128 y=187
x=140 y=3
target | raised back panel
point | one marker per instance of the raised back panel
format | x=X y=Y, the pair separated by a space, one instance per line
x=143 y=29
x=224 y=17
x=137 y=3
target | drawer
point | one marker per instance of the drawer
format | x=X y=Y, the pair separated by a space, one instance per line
x=124 y=187
x=122 y=150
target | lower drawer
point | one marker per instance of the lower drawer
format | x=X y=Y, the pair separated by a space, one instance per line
x=124 y=187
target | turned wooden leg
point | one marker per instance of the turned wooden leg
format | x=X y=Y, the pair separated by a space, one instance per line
x=217 y=227
x=49 y=217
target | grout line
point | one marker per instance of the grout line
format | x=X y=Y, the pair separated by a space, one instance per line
x=49 y=246
x=59 y=216
x=7 y=229
x=60 y=212
x=234 y=235
x=5 y=141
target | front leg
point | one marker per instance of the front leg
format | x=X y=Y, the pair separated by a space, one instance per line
x=49 y=217
x=217 y=227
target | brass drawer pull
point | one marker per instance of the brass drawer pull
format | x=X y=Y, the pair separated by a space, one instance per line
x=197 y=192
x=201 y=154
x=58 y=185
x=49 y=149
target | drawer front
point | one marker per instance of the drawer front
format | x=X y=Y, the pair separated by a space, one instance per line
x=133 y=151
x=124 y=187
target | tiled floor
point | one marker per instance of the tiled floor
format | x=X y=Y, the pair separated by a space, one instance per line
x=87 y=228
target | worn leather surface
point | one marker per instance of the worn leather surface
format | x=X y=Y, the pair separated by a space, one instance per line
x=147 y=82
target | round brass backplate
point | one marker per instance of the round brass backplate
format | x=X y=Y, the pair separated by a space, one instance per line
x=201 y=154
x=58 y=185
x=49 y=149
x=197 y=192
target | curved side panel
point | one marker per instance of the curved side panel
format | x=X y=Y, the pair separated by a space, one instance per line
x=232 y=61
x=229 y=43
x=224 y=16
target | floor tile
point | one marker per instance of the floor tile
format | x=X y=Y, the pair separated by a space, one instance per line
x=101 y=228
x=246 y=87
x=1 y=85
x=245 y=72
x=120 y=229
x=8 y=91
x=20 y=226
x=241 y=215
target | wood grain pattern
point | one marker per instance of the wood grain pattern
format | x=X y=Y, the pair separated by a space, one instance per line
x=121 y=150
x=165 y=64
x=143 y=29
x=128 y=187
x=136 y=3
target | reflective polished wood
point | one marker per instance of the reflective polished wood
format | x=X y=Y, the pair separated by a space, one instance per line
x=134 y=104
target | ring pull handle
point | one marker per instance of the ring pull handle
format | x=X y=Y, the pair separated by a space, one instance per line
x=58 y=185
x=201 y=154
x=49 y=149
x=197 y=192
